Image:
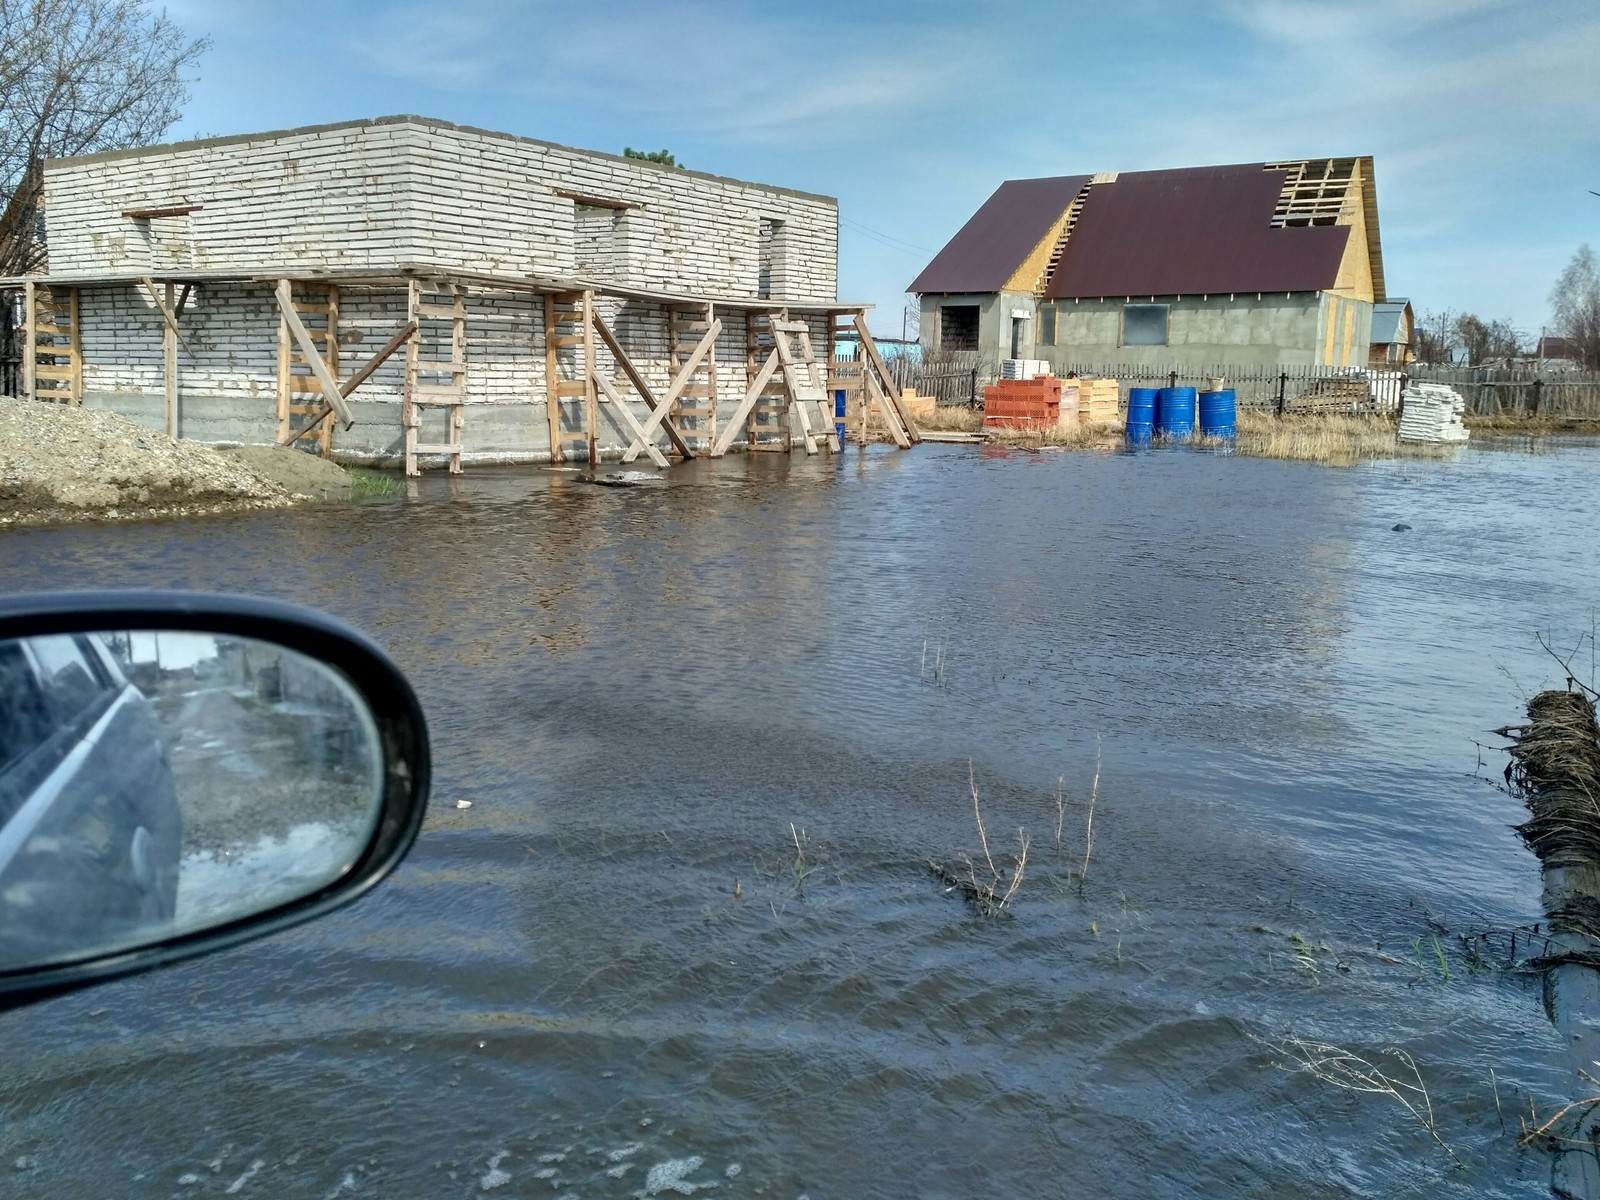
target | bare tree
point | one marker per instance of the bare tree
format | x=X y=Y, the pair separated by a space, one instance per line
x=1486 y=341
x=1436 y=335
x=78 y=76
x=1575 y=306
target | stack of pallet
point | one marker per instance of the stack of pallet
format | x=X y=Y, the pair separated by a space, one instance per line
x=1097 y=401
x=1023 y=403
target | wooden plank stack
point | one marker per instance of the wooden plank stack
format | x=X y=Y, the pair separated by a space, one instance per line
x=1097 y=401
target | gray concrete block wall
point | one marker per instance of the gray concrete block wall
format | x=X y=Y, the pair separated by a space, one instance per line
x=380 y=195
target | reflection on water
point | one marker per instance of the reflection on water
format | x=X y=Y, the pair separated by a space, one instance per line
x=611 y=966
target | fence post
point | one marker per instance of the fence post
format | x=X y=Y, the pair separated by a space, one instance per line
x=1283 y=383
x=1172 y=380
x=972 y=390
x=1533 y=400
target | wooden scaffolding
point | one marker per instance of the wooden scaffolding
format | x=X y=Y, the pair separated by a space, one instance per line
x=52 y=353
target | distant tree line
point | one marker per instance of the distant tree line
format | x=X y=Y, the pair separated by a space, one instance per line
x=655 y=156
x=1575 y=318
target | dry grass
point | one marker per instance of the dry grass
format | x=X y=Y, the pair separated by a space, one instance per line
x=1339 y=441
x=953 y=419
x=993 y=892
x=1393 y=1073
x=1522 y=423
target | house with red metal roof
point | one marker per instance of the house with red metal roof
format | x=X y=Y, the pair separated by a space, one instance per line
x=1250 y=264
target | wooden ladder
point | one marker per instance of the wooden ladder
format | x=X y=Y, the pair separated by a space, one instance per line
x=304 y=412
x=572 y=405
x=54 y=366
x=439 y=380
x=805 y=380
x=695 y=410
x=769 y=416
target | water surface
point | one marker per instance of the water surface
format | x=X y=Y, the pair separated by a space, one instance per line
x=640 y=691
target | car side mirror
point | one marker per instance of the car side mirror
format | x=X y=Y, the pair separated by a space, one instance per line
x=183 y=772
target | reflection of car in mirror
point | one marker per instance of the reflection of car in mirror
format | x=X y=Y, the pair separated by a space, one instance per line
x=89 y=822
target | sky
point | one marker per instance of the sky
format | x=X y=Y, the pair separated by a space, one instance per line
x=1482 y=116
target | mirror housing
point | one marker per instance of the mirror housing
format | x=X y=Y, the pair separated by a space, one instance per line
x=376 y=683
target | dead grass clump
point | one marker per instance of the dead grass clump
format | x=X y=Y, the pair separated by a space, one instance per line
x=992 y=891
x=1393 y=1073
x=1555 y=770
x=1075 y=436
x=1334 y=439
x=953 y=419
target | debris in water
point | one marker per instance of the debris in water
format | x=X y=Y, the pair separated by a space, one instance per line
x=617 y=478
x=494 y=1177
x=669 y=1176
x=463 y=803
x=1402 y=527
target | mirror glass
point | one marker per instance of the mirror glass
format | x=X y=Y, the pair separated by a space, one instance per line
x=156 y=782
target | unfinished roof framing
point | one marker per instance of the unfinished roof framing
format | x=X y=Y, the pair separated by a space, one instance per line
x=527 y=301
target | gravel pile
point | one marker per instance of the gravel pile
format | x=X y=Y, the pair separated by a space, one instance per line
x=59 y=463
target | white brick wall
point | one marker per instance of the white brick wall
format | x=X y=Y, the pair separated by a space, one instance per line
x=379 y=195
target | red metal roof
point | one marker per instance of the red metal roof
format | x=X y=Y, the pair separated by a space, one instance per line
x=989 y=248
x=1201 y=230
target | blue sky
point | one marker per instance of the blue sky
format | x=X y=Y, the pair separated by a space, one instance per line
x=1483 y=115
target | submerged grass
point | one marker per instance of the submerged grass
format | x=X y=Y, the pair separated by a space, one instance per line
x=365 y=483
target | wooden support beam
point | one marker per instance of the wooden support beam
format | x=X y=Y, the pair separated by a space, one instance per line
x=30 y=338
x=552 y=376
x=76 y=336
x=639 y=384
x=625 y=415
x=169 y=358
x=591 y=398
x=757 y=386
x=167 y=314
x=690 y=365
x=183 y=300
x=308 y=349
x=355 y=381
x=875 y=359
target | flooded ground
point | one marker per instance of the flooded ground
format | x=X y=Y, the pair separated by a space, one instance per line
x=611 y=977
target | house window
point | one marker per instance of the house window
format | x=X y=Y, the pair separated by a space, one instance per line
x=769 y=258
x=958 y=327
x=1047 y=324
x=1144 y=324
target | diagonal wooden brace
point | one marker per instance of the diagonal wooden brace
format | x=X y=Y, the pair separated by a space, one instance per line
x=309 y=351
x=639 y=384
x=659 y=415
x=349 y=385
x=625 y=415
x=167 y=315
x=736 y=422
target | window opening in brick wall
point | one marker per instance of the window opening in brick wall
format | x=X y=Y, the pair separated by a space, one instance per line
x=1047 y=323
x=594 y=233
x=958 y=327
x=769 y=257
x=1144 y=324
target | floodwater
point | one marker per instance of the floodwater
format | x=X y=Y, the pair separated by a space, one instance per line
x=608 y=978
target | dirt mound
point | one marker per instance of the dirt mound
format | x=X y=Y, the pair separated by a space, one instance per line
x=297 y=472
x=59 y=463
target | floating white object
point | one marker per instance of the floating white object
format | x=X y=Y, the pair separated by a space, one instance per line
x=1431 y=412
x=463 y=803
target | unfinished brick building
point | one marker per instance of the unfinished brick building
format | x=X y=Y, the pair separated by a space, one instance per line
x=407 y=289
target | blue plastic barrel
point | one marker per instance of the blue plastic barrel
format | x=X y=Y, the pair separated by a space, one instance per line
x=1217 y=414
x=1175 y=412
x=1141 y=413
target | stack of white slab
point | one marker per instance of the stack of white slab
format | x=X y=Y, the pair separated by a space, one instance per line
x=1431 y=412
x=1023 y=368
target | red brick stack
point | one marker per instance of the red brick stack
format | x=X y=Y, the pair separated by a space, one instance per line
x=1023 y=403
